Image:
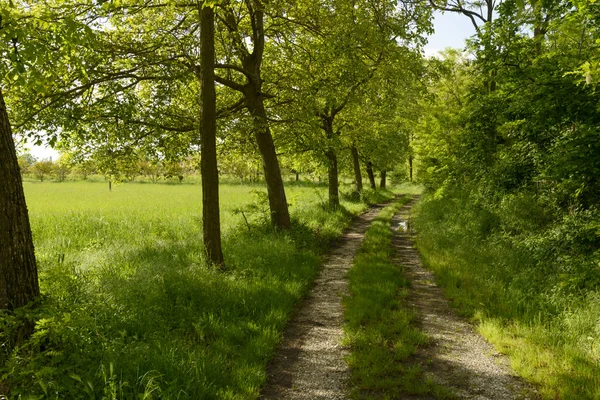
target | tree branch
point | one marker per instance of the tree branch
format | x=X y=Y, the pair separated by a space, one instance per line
x=234 y=68
x=235 y=107
x=229 y=83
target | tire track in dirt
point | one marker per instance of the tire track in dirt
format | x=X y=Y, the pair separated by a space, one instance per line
x=310 y=363
x=457 y=358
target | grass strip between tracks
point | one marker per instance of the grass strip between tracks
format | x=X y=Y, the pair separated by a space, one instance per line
x=379 y=329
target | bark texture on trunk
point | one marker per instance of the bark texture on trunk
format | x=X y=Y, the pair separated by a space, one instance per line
x=371 y=175
x=332 y=167
x=211 y=222
x=357 y=174
x=251 y=60
x=280 y=216
x=410 y=167
x=493 y=80
x=382 y=181
x=334 y=184
x=18 y=269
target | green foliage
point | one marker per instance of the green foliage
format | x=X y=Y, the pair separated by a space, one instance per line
x=530 y=281
x=379 y=329
x=508 y=150
x=131 y=310
x=25 y=160
x=42 y=169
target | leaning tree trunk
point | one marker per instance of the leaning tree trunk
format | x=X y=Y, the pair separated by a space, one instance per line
x=18 y=270
x=251 y=59
x=382 y=182
x=280 y=216
x=357 y=174
x=371 y=175
x=334 y=184
x=211 y=222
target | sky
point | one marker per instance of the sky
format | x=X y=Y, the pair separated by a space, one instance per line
x=42 y=152
x=451 y=30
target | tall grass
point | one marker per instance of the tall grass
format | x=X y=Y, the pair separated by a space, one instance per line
x=130 y=309
x=530 y=281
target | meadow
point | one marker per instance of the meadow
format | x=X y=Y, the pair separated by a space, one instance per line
x=130 y=309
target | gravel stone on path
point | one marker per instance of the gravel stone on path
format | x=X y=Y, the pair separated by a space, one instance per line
x=458 y=358
x=310 y=363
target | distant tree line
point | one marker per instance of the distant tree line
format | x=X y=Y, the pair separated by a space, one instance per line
x=67 y=167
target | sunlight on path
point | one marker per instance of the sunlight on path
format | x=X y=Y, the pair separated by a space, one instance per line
x=458 y=357
x=311 y=364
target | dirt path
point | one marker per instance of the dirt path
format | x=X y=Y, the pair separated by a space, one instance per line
x=458 y=357
x=310 y=364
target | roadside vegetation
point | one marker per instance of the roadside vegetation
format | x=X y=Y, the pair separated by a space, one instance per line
x=380 y=330
x=533 y=294
x=508 y=150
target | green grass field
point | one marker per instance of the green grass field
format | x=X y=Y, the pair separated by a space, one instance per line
x=130 y=309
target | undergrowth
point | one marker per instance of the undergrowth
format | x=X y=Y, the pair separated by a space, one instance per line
x=379 y=329
x=130 y=309
x=529 y=278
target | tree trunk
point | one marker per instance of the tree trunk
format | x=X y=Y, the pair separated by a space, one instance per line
x=334 y=185
x=332 y=167
x=280 y=216
x=382 y=182
x=410 y=167
x=539 y=31
x=493 y=80
x=297 y=176
x=211 y=222
x=251 y=60
x=357 y=174
x=371 y=175
x=18 y=269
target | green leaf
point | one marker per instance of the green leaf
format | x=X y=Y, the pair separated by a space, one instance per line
x=520 y=5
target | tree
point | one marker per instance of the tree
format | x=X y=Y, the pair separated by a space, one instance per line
x=42 y=168
x=337 y=51
x=18 y=269
x=144 y=95
x=175 y=169
x=62 y=167
x=27 y=33
x=244 y=28
x=356 y=166
x=150 y=167
x=84 y=167
x=438 y=133
x=211 y=223
x=25 y=160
